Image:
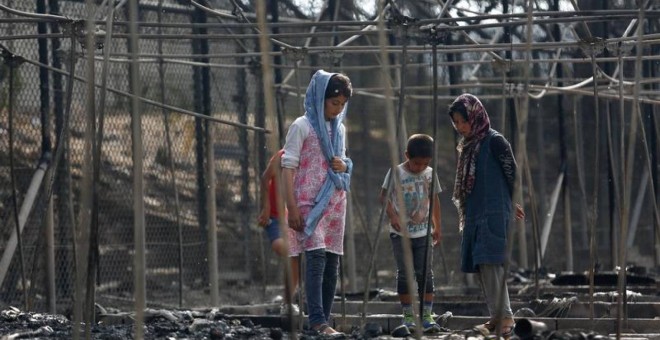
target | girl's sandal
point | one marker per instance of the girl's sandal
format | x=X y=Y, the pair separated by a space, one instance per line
x=325 y=329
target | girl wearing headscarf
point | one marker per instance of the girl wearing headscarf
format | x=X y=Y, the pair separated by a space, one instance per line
x=485 y=173
x=316 y=178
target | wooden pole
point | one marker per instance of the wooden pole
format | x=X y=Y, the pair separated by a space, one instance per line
x=139 y=232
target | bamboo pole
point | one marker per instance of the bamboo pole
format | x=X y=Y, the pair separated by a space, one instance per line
x=48 y=223
x=211 y=212
x=637 y=117
x=593 y=47
x=82 y=233
x=394 y=150
x=273 y=142
x=547 y=221
x=538 y=259
x=565 y=189
x=96 y=149
x=139 y=232
x=14 y=62
x=171 y=169
x=49 y=228
x=637 y=210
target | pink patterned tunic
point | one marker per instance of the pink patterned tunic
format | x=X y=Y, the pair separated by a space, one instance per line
x=308 y=180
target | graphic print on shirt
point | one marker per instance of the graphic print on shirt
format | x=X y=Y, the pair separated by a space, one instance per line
x=416 y=190
x=416 y=199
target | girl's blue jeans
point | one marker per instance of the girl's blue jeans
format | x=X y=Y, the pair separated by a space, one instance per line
x=320 y=284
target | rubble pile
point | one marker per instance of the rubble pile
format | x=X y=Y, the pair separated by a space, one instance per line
x=158 y=324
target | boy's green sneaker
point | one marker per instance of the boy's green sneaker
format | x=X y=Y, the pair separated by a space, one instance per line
x=429 y=324
x=409 y=321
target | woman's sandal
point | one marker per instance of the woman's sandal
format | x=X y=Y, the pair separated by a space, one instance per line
x=485 y=329
x=325 y=329
x=488 y=328
x=507 y=331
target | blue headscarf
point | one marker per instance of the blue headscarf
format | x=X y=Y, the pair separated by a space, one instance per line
x=331 y=147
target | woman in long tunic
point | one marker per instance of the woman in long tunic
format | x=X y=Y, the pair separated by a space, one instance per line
x=485 y=174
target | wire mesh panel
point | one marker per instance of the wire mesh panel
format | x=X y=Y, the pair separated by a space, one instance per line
x=176 y=245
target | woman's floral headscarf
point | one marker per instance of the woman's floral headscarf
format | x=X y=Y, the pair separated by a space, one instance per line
x=468 y=149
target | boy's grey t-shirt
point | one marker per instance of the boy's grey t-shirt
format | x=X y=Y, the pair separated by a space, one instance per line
x=415 y=188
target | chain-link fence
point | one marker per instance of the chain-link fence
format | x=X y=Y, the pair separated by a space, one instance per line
x=174 y=159
x=176 y=75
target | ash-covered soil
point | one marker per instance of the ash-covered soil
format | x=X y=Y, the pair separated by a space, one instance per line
x=158 y=324
x=211 y=324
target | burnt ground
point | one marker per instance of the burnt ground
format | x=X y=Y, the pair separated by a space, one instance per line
x=209 y=324
x=249 y=321
x=158 y=324
x=263 y=321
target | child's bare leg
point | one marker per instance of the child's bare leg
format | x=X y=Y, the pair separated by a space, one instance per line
x=278 y=247
x=428 y=304
x=405 y=299
x=295 y=275
x=289 y=297
x=428 y=297
x=407 y=311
